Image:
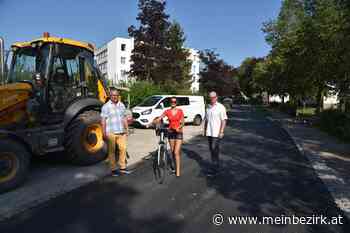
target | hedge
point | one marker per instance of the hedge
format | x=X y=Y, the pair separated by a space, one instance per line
x=335 y=123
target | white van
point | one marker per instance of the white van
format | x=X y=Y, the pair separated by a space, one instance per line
x=152 y=107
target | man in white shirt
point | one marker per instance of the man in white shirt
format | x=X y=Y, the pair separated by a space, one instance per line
x=214 y=127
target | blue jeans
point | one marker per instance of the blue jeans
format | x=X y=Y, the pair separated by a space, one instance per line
x=214 y=147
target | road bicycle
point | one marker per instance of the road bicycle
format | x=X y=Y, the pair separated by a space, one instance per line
x=162 y=162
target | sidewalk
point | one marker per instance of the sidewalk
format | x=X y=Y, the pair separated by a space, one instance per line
x=144 y=141
x=329 y=157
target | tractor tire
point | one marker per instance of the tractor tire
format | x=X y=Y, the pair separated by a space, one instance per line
x=197 y=120
x=84 y=142
x=14 y=164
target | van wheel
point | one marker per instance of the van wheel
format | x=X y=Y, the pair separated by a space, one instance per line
x=14 y=164
x=84 y=140
x=197 y=120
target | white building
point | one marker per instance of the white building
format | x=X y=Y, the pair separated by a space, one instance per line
x=196 y=62
x=278 y=99
x=114 y=61
x=329 y=101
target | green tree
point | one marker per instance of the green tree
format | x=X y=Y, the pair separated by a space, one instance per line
x=245 y=76
x=159 y=54
x=150 y=49
x=301 y=38
x=140 y=90
x=268 y=76
x=284 y=68
x=310 y=55
x=177 y=70
x=341 y=57
x=286 y=23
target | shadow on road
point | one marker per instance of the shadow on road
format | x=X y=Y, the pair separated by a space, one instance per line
x=264 y=174
x=106 y=208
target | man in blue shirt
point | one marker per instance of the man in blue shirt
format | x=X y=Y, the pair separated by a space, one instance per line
x=115 y=131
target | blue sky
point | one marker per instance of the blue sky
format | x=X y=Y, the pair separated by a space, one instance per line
x=232 y=27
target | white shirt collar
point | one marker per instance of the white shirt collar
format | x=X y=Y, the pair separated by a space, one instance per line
x=213 y=105
x=117 y=104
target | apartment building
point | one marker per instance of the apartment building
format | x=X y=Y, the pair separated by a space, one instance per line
x=196 y=67
x=114 y=61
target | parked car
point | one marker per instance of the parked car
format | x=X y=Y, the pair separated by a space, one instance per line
x=152 y=107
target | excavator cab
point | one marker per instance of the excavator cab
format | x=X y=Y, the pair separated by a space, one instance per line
x=50 y=101
x=58 y=73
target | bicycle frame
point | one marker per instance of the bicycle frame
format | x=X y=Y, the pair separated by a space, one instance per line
x=163 y=161
x=162 y=142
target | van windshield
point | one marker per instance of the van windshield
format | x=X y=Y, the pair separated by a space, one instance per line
x=151 y=101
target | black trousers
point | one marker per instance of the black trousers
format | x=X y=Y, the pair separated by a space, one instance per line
x=214 y=147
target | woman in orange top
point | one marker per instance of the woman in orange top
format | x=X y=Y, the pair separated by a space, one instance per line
x=175 y=135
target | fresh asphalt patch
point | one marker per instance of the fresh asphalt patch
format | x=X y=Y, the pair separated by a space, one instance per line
x=263 y=175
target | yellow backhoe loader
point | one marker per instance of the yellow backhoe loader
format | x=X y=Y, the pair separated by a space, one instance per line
x=50 y=99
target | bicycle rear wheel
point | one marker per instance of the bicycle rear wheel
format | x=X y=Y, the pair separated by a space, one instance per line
x=160 y=165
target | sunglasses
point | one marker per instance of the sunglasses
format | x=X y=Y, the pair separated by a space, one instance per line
x=173 y=102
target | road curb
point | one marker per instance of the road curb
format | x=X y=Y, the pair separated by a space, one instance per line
x=340 y=196
x=282 y=126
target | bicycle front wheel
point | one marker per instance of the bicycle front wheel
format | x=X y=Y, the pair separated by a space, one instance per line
x=160 y=165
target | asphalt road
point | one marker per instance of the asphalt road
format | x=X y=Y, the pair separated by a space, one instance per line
x=263 y=175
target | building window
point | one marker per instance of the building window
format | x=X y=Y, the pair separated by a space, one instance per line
x=123 y=60
x=123 y=74
x=123 y=46
x=103 y=67
x=102 y=54
x=194 y=68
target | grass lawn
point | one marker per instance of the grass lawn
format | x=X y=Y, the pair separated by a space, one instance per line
x=301 y=112
x=306 y=112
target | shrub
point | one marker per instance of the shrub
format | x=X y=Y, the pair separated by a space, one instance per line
x=335 y=123
x=306 y=112
x=274 y=104
x=289 y=108
x=141 y=89
x=174 y=88
x=256 y=100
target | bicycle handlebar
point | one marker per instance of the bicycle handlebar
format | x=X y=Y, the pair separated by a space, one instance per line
x=161 y=128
